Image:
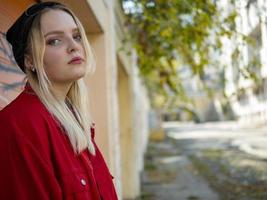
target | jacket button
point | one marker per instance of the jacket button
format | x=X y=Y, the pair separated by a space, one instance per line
x=83 y=182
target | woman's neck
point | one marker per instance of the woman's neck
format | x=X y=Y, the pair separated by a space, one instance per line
x=61 y=90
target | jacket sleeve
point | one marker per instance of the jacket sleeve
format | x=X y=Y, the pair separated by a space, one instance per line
x=24 y=173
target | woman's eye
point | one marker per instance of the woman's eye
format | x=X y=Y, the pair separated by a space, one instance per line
x=77 y=37
x=53 y=42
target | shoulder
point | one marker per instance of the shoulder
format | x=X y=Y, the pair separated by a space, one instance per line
x=25 y=108
x=23 y=105
x=26 y=116
x=25 y=123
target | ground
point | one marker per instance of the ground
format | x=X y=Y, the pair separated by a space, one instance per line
x=210 y=161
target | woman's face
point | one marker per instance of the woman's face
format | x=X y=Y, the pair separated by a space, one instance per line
x=64 y=57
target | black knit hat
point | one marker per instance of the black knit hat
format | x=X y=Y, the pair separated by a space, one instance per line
x=17 y=34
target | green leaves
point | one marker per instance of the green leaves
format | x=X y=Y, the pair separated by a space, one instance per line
x=170 y=35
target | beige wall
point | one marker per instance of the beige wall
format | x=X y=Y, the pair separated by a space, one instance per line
x=103 y=86
x=98 y=95
x=130 y=179
x=134 y=108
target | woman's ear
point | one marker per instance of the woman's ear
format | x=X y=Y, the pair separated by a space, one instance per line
x=28 y=62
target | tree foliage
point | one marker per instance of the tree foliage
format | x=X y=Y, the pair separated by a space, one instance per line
x=173 y=35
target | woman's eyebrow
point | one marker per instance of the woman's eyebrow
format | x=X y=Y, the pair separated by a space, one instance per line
x=54 y=33
x=58 y=32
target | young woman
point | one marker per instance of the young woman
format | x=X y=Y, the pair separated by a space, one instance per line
x=47 y=148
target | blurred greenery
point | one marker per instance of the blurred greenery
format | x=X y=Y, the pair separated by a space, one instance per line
x=170 y=36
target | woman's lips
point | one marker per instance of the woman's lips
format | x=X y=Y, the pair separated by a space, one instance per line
x=76 y=60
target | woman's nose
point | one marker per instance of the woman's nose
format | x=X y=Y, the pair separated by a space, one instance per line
x=73 y=45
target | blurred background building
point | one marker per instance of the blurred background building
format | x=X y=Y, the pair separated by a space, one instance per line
x=241 y=86
x=248 y=98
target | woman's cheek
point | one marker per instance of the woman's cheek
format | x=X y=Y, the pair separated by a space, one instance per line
x=51 y=57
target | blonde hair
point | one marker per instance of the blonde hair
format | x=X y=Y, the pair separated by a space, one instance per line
x=73 y=115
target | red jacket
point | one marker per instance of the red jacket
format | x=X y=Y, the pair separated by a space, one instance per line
x=37 y=161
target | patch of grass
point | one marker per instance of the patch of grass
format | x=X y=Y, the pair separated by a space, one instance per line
x=212 y=153
x=192 y=198
x=155 y=150
x=216 y=168
x=202 y=168
x=166 y=176
x=216 y=157
x=150 y=166
x=146 y=196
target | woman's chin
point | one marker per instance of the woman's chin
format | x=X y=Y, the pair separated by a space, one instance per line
x=77 y=77
x=77 y=74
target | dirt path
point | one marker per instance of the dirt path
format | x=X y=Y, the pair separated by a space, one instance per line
x=171 y=176
x=206 y=162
